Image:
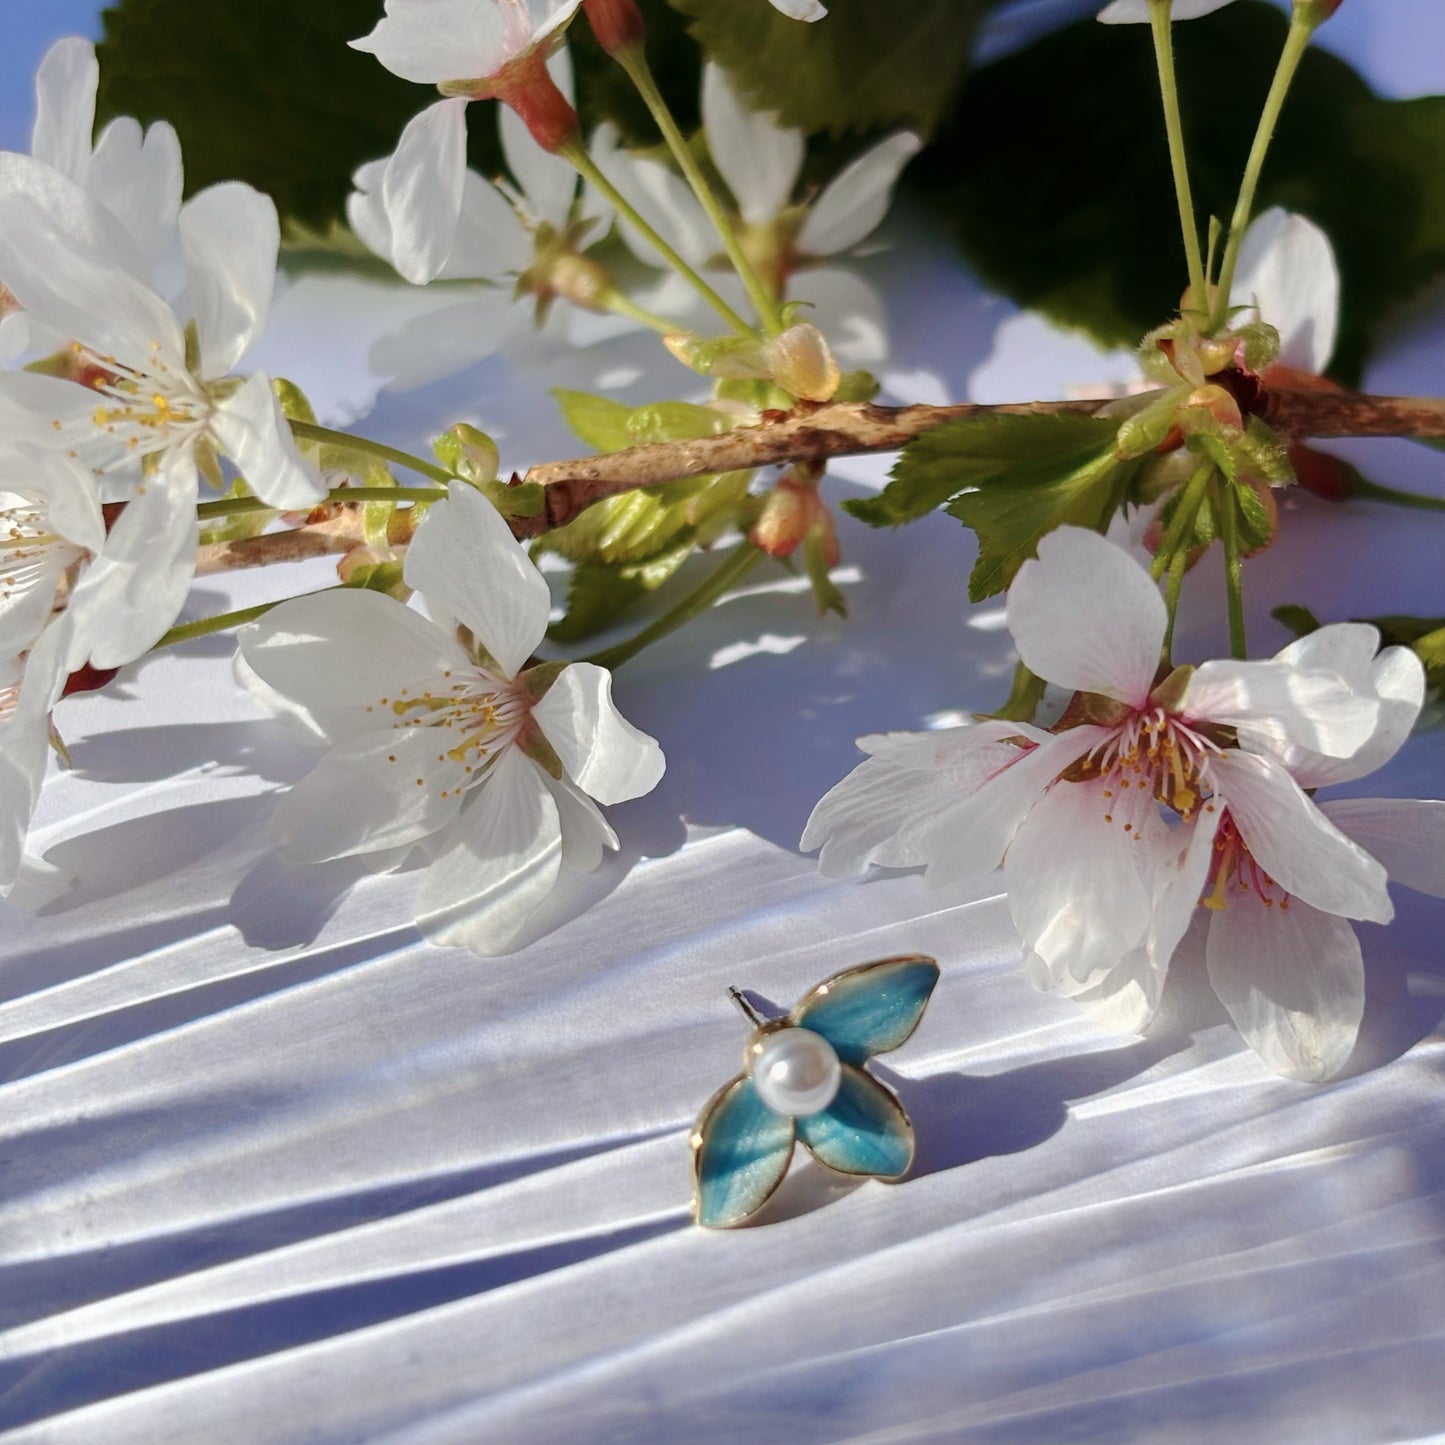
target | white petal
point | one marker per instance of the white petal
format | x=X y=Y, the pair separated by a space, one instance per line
x=491 y=243
x=661 y=198
x=759 y=158
x=1134 y=12
x=1085 y=615
x=138 y=179
x=422 y=186
x=855 y=201
x=253 y=432
x=63 y=488
x=1077 y=885
x=603 y=753
x=364 y=796
x=950 y=747
x=76 y=214
x=548 y=183
x=68 y=277
x=429 y=41
x=1127 y=997
x=25 y=748
x=1293 y=981
x=366 y=211
x=466 y=562
x=458 y=334
x=1397 y=680
x=339 y=653
x=134 y=591
x=968 y=838
x=31 y=404
x=1406 y=835
x=586 y=834
x=65 y=85
x=1345 y=647
x=1293 y=841
x=504 y=856
x=1287 y=270
x=801 y=9
x=1281 y=705
x=230 y=235
x=37 y=884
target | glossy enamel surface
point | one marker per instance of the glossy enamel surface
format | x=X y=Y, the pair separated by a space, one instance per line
x=863 y=1131
x=872 y=1008
x=740 y=1152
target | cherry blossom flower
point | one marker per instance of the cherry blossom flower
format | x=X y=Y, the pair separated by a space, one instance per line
x=440 y=735
x=761 y=161
x=471 y=50
x=50 y=525
x=152 y=394
x=800 y=9
x=1106 y=825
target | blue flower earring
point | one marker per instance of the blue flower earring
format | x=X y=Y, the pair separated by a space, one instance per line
x=804 y=1078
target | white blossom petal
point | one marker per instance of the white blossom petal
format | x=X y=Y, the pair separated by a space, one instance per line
x=137 y=177
x=230 y=236
x=854 y=202
x=252 y=429
x=429 y=41
x=65 y=85
x=659 y=195
x=382 y=789
x=800 y=9
x=949 y=747
x=1127 y=997
x=1406 y=835
x=439 y=343
x=603 y=753
x=1281 y=705
x=1293 y=981
x=586 y=834
x=134 y=591
x=338 y=653
x=1295 y=844
x=501 y=861
x=1078 y=886
x=1086 y=616
x=421 y=189
x=466 y=562
x=491 y=242
x=1136 y=12
x=758 y=157
x=968 y=838
x=1287 y=270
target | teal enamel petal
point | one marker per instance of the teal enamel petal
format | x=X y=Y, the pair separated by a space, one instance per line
x=872 y=1008
x=740 y=1153
x=863 y=1131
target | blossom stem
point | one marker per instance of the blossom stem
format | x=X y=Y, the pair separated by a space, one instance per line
x=1159 y=21
x=204 y=626
x=1233 y=581
x=621 y=304
x=1173 y=554
x=1363 y=487
x=575 y=154
x=739 y=562
x=634 y=61
x=309 y=431
x=1296 y=42
x=231 y=506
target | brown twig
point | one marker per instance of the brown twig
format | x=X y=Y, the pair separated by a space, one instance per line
x=818 y=434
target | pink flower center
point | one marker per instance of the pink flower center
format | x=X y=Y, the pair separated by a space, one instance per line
x=1152 y=756
x=1232 y=862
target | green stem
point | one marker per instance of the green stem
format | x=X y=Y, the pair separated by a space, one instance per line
x=1159 y=22
x=309 y=431
x=204 y=626
x=1182 y=520
x=1361 y=487
x=621 y=304
x=575 y=154
x=1233 y=582
x=1300 y=30
x=634 y=61
x=231 y=506
x=739 y=562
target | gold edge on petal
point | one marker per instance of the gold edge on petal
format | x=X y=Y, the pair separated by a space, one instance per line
x=820 y=991
x=695 y=1142
x=868 y=1173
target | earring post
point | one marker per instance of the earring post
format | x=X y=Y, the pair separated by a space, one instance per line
x=749 y=1012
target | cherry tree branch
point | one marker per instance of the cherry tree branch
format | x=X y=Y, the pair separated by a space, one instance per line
x=815 y=434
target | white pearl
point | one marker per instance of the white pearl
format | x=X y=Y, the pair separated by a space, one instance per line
x=795 y=1071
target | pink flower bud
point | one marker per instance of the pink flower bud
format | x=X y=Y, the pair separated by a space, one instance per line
x=617 y=24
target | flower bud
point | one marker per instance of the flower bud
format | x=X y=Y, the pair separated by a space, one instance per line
x=802 y=363
x=617 y=24
x=468 y=453
x=88 y=679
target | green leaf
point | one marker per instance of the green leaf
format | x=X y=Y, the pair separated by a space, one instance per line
x=1081 y=221
x=1030 y=474
x=597 y=420
x=611 y=426
x=1256 y=520
x=597 y=596
x=1299 y=619
x=872 y=63
x=974 y=451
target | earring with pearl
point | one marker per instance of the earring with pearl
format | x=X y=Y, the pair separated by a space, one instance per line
x=805 y=1078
